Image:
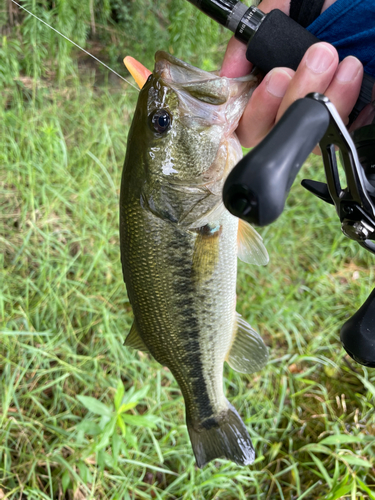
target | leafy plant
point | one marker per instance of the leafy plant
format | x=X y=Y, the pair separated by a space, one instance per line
x=108 y=427
x=115 y=418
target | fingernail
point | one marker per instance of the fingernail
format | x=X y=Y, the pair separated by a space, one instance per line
x=319 y=58
x=348 y=69
x=277 y=82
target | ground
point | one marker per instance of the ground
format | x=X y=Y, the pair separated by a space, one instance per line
x=84 y=417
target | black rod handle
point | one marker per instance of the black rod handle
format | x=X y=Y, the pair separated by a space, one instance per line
x=279 y=41
x=257 y=187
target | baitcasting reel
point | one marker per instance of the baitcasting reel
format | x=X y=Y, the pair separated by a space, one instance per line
x=257 y=188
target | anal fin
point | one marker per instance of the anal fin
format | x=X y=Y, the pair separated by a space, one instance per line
x=134 y=340
x=248 y=352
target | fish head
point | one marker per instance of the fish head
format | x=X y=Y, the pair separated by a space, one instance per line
x=184 y=124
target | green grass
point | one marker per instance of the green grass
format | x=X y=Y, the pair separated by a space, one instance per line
x=66 y=376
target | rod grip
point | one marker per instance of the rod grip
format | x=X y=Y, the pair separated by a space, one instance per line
x=279 y=42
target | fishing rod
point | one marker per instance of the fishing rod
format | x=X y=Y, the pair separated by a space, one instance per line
x=273 y=39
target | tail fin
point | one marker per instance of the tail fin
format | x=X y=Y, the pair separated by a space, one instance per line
x=224 y=437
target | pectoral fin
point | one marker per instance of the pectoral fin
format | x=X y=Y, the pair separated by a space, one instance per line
x=134 y=340
x=248 y=352
x=206 y=252
x=251 y=248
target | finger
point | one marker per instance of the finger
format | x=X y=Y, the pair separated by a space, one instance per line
x=314 y=74
x=260 y=113
x=268 y=5
x=235 y=63
x=344 y=89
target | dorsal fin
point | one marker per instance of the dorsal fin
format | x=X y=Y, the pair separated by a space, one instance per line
x=134 y=340
x=251 y=248
x=248 y=352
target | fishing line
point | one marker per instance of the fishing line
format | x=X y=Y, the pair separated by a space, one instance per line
x=76 y=44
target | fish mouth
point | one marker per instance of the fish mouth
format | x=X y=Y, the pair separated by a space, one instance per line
x=174 y=70
x=205 y=86
x=183 y=72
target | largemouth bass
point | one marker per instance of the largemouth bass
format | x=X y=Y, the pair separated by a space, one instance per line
x=179 y=246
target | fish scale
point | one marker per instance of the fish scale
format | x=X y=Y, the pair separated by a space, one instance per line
x=179 y=246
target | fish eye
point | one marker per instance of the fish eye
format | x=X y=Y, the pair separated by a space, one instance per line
x=160 y=121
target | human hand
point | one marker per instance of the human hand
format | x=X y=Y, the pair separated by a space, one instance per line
x=319 y=71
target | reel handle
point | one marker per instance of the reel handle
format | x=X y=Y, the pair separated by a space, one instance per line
x=257 y=187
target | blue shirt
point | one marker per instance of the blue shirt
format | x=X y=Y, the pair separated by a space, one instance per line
x=349 y=25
